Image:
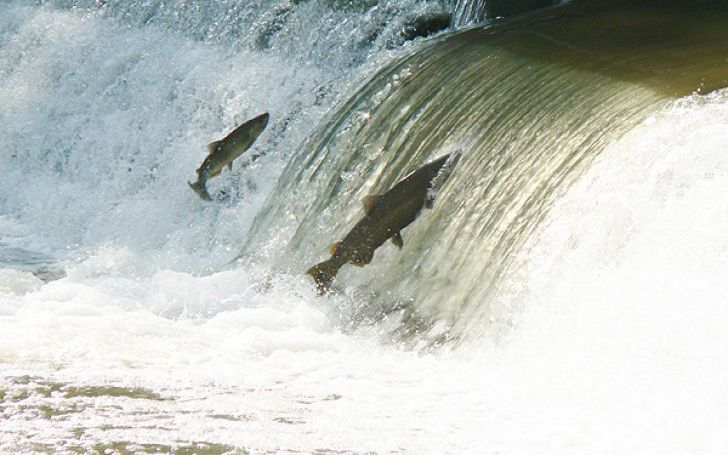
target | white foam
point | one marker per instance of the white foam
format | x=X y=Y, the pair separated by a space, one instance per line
x=16 y=282
x=625 y=290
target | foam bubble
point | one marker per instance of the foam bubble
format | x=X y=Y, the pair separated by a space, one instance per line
x=16 y=282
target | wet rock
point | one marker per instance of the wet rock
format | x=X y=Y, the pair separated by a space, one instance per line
x=426 y=25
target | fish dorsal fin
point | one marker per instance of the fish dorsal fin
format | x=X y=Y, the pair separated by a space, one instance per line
x=334 y=246
x=212 y=146
x=397 y=240
x=369 y=202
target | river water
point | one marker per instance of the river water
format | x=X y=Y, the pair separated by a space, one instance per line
x=565 y=295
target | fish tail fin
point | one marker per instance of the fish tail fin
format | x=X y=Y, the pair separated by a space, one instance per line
x=323 y=274
x=199 y=188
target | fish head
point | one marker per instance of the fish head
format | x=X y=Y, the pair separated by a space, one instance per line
x=258 y=124
x=453 y=158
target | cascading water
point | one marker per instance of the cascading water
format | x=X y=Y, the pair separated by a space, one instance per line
x=577 y=252
x=102 y=106
x=469 y=12
x=521 y=148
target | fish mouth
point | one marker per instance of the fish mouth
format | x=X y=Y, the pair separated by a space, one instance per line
x=261 y=122
x=454 y=157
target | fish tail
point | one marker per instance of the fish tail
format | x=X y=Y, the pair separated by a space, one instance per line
x=199 y=188
x=323 y=274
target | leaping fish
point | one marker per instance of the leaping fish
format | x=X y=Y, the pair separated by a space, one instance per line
x=386 y=215
x=223 y=152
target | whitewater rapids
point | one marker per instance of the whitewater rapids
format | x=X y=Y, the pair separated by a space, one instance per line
x=150 y=343
x=619 y=347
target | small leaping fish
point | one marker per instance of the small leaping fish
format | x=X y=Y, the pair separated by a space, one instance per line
x=223 y=152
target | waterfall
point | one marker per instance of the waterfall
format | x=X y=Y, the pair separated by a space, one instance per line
x=565 y=293
x=470 y=12
x=528 y=103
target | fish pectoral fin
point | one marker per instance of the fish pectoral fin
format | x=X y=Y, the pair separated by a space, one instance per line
x=397 y=240
x=362 y=257
x=369 y=202
x=230 y=166
x=367 y=257
x=334 y=246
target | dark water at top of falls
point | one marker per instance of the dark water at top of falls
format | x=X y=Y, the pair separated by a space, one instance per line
x=529 y=102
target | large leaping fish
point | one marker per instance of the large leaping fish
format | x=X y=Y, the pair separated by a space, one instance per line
x=386 y=215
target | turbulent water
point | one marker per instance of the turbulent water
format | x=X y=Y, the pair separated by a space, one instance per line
x=565 y=295
x=529 y=104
